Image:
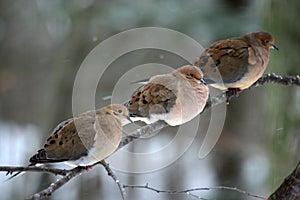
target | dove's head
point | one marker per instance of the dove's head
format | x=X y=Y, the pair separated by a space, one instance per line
x=262 y=39
x=119 y=111
x=191 y=72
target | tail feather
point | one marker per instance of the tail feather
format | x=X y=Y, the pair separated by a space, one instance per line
x=41 y=157
x=16 y=174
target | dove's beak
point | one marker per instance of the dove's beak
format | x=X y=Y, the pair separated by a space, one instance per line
x=128 y=118
x=275 y=47
x=203 y=81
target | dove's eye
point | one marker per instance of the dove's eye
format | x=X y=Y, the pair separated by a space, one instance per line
x=267 y=41
x=118 y=112
x=192 y=75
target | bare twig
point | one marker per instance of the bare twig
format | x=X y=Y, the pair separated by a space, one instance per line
x=71 y=174
x=290 y=188
x=274 y=78
x=114 y=177
x=60 y=182
x=265 y=79
x=188 y=191
x=54 y=186
x=144 y=131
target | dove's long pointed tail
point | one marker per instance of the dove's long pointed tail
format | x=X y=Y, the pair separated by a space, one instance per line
x=16 y=174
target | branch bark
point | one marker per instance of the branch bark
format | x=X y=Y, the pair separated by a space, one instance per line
x=60 y=182
x=114 y=177
x=11 y=169
x=290 y=188
x=189 y=191
x=71 y=174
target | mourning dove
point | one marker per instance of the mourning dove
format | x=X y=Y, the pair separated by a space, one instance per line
x=240 y=61
x=85 y=139
x=176 y=98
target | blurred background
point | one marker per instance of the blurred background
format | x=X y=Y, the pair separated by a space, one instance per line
x=43 y=43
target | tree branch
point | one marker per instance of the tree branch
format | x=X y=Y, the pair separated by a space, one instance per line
x=290 y=188
x=11 y=169
x=265 y=79
x=188 y=191
x=60 y=182
x=73 y=173
x=144 y=131
x=277 y=79
x=114 y=177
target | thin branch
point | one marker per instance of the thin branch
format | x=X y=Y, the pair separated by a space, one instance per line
x=188 y=191
x=277 y=79
x=290 y=188
x=73 y=173
x=60 y=182
x=144 y=131
x=114 y=177
x=11 y=169
x=265 y=79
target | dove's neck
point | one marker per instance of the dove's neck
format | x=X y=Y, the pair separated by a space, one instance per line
x=259 y=50
x=264 y=55
x=251 y=39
